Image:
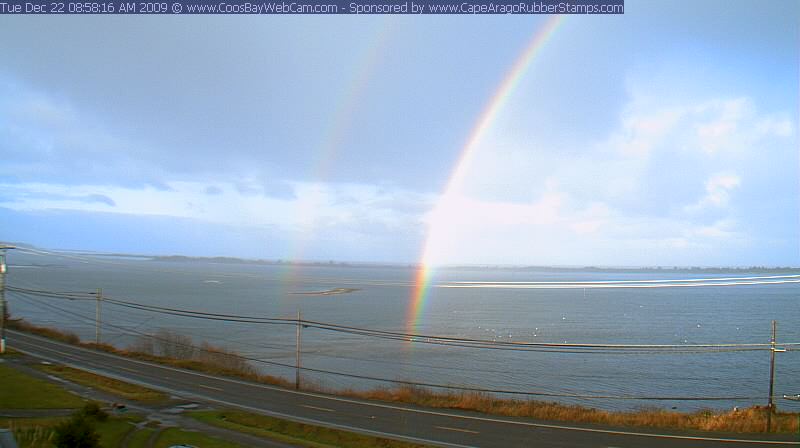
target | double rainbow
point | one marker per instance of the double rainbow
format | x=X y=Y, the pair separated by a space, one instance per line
x=454 y=185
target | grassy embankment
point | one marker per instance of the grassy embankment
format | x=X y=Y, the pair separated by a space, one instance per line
x=29 y=393
x=292 y=432
x=115 y=387
x=24 y=392
x=39 y=433
x=222 y=362
x=206 y=358
x=33 y=393
x=20 y=391
x=175 y=436
x=749 y=420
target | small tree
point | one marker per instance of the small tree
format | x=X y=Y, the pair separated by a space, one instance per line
x=79 y=431
x=92 y=411
x=170 y=344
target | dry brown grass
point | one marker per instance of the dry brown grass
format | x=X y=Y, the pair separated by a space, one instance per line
x=218 y=361
x=751 y=420
x=110 y=385
x=207 y=358
x=52 y=333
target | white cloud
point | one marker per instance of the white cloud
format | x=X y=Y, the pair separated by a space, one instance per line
x=661 y=186
x=734 y=125
x=718 y=192
x=592 y=220
x=314 y=207
x=779 y=127
x=716 y=133
x=640 y=133
x=659 y=189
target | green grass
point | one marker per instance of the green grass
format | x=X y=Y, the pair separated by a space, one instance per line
x=295 y=433
x=9 y=352
x=37 y=432
x=21 y=391
x=174 y=436
x=32 y=432
x=36 y=437
x=110 y=385
x=113 y=430
x=140 y=438
x=749 y=420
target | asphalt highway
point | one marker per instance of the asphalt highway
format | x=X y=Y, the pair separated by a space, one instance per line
x=421 y=425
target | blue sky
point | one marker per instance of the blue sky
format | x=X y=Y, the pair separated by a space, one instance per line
x=667 y=135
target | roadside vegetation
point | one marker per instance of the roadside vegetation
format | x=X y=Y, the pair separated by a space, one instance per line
x=20 y=391
x=751 y=419
x=292 y=432
x=10 y=352
x=88 y=426
x=168 y=348
x=175 y=437
x=120 y=388
x=177 y=350
x=113 y=432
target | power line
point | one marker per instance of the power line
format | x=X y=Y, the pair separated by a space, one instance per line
x=73 y=295
x=424 y=384
x=432 y=339
x=139 y=324
x=313 y=354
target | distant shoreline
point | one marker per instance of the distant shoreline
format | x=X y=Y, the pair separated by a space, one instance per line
x=645 y=269
x=415 y=266
x=326 y=292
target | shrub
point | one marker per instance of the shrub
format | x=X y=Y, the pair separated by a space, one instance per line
x=92 y=411
x=77 y=432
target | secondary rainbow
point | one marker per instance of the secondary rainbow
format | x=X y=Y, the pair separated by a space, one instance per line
x=484 y=122
x=339 y=125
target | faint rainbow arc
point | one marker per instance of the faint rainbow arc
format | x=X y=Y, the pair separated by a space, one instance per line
x=484 y=122
x=342 y=122
x=336 y=132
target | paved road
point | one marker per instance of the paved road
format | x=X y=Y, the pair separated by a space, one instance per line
x=430 y=426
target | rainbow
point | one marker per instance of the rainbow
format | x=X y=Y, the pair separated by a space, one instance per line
x=453 y=189
x=339 y=125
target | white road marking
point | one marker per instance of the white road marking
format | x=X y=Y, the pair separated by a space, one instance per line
x=257 y=410
x=378 y=405
x=211 y=387
x=317 y=408
x=447 y=428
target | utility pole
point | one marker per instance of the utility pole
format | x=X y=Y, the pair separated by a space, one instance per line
x=297 y=355
x=97 y=316
x=3 y=304
x=772 y=350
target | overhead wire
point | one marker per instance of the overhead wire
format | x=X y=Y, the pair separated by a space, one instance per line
x=434 y=339
x=424 y=384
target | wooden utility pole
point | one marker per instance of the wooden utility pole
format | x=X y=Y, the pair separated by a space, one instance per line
x=97 y=315
x=770 y=404
x=3 y=305
x=297 y=354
